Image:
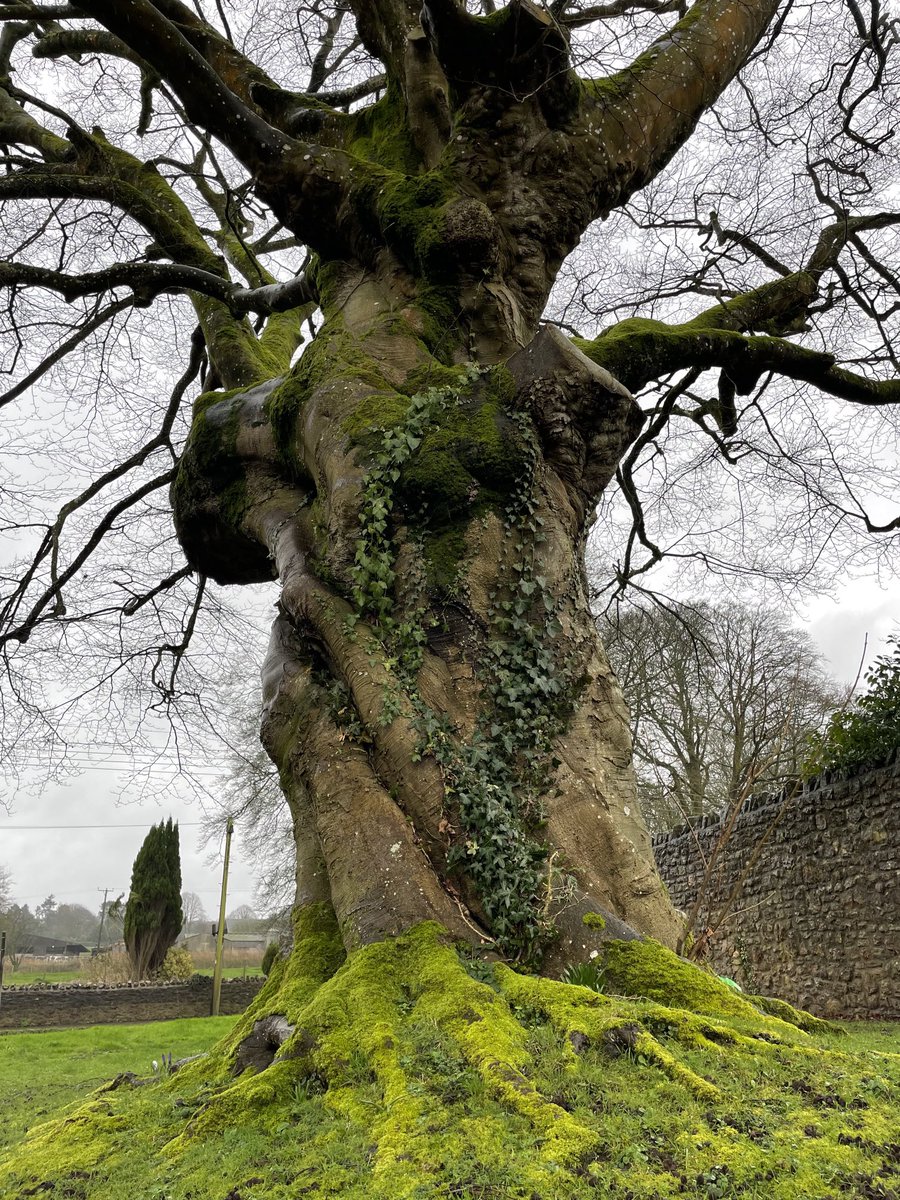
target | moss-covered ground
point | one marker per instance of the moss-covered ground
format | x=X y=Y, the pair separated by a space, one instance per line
x=412 y=1073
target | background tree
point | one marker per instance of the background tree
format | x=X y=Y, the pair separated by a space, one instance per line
x=244 y=919
x=193 y=912
x=18 y=922
x=723 y=701
x=864 y=733
x=110 y=921
x=153 y=916
x=46 y=911
x=420 y=482
x=15 y=920
x=75 y=923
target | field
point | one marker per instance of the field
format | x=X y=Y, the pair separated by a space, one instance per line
x=42 y=1072
x=25 y=978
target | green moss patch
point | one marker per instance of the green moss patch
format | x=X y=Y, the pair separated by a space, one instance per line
x=406 y=1078
x=380 y=134
x=333 y=355
x=440 y=459
x=472 y=456
x=593 y=921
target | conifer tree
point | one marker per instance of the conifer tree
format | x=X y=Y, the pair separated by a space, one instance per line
x=153 y=915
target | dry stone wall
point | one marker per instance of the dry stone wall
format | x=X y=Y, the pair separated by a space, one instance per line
x=58 y=1005
x=817 y=921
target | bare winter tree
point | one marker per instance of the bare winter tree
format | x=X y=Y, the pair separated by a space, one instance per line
x=193 y=911
x=17 y=921
x=251 y=796
x=421 y=480
x=723 y=701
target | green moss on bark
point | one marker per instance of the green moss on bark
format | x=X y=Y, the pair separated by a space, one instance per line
x=406 y=1078
x=333 y=356
x=210 y=465
x=465 y=463
x=440 y=309
x=380 y=134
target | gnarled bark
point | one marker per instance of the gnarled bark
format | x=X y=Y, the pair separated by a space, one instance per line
x=434 y=660
x=448 y=731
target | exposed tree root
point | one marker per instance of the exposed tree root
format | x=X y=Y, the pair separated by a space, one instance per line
x=408 y=1072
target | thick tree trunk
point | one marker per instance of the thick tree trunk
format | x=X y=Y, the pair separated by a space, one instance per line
x=450 y=736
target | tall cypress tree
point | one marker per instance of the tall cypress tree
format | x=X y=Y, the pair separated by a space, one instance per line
x=153 y=915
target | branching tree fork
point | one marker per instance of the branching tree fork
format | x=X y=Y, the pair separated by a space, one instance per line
x=421 y=479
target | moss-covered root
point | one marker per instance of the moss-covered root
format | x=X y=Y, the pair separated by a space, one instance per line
x=700 y=1013
x=406 y=1072
x=367 y=1024
x=645 y=968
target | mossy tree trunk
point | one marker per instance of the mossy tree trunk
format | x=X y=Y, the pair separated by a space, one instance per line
x=449 y=735
x=447 y=728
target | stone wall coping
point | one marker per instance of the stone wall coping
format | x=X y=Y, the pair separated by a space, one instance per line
x=788 y=794
x=77 y=985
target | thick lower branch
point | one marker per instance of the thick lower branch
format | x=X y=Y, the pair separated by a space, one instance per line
x=638 y=351
x=638 y=118
x=148 y=280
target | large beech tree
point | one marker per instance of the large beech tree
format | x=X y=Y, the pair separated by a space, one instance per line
x=421 y=479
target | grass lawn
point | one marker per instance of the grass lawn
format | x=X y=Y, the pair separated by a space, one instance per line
x=41 y=1072
x=21 y=978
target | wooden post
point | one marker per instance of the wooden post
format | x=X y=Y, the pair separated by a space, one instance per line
x=220 y=931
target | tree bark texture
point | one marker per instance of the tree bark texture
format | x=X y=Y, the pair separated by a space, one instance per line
x=449 y=734
x=448 y=731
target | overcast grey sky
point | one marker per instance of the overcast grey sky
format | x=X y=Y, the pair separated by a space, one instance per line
x=74 y=840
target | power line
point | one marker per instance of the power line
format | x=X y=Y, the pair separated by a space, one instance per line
x=142 y=825
x=121 y=765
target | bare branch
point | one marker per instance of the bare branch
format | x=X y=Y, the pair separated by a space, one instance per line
x=148 y=280
x=81 y=334
x=616 y=8
x=52 y=595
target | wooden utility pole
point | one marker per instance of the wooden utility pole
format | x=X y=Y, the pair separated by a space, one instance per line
x=2 y=956
x=102 y=918
x=220 y=930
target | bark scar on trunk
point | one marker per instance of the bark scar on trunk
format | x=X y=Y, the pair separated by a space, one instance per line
x=259 y=1047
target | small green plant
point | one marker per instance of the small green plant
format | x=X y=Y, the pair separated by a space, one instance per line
x=865 y=733
x=587 y=974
